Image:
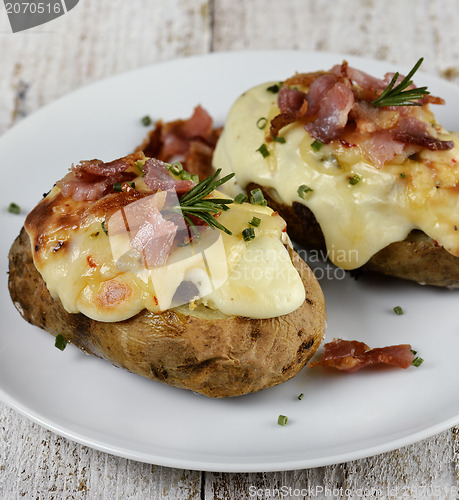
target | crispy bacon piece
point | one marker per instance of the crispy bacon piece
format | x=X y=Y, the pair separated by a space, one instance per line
x=157 y=177
x=190 y=141
x=337 y=105
x=351 y=355
x=92 y=179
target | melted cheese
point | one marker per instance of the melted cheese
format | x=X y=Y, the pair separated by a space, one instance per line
x=99 y=276
x=358 y=219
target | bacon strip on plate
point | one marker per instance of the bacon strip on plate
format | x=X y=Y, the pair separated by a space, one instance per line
x=351 y=355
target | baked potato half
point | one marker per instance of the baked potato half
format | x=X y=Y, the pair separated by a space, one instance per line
x=416 y=258
x=371 y=181
x=138 y=264
x=201 y=350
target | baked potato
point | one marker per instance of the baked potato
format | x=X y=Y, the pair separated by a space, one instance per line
x=373 y=183
x=60 y=265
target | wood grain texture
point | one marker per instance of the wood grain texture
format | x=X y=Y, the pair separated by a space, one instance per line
x=99 y=39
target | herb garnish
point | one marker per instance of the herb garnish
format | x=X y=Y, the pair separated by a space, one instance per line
x=195 y=203
x=60 y=342
x=282 y=420
x=261 y=122
x=146 y=121
x=417 y=362
x=398 y=311
x=14 y=209
x=316 y=145
x=263 y=150
x=255 y=221
x=275 y=88
x=257 y=197
x=248 y=234
x=398 y=96
x=355 y=179
x=240 y=198
x=303 y=189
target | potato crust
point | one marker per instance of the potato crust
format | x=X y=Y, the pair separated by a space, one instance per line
x=417 y=258
x=218 y=356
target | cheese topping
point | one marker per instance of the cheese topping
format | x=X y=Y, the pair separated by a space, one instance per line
x=96 y=274
x=360 y=208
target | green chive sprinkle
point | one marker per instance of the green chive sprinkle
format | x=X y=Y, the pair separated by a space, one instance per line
x=398 y=311
x=275 y=88
x=303 y=189
x=403 y=175
x=261 y=122
x=60 y=342
x=414 y=352
x=14 y=209
x=317 y=145
x=240 y=198
x=301 y=396
x=255 y=221
x=248 y=234
x=282 y=420
x=280 y=140
x=263 y=150
x=175 y=168
x=103 y=227
x=117 y=186
x=355 y=179
x=146 y=121
x=139 y=164
x=257 y=197
x=185 y=175
x=195 y=178
x=417 y=362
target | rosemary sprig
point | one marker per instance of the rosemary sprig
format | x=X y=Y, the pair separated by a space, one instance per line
x=195 y=203
x=398 y=96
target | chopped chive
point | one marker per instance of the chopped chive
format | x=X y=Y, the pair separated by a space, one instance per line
x=417 y=362
x=261 y=122
x=224 y=207
x=118 y=186
x=355 y=179
x=257 y=197
x=403 y=175
x=146 y=121
x=139 y=164
x=317 y=145
x=14 y=209
x=282 y=420
x=263 y=150
x=398 y=310
x=255 y=221
x=301 y=396
x=103 y=227
x=195 y=178
x=303 y=189
x=185 y=175
x=175 y=168
x=240 y=198
x=275 y=88
x=414 y=352
x=280 y=140
x=248 y=234
x=60 y=342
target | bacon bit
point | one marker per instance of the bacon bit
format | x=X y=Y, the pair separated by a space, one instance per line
x=351 y=355
x=157 y=177
x=91 y=261
x=191 y=142
x=337 y=106
x=274 y=213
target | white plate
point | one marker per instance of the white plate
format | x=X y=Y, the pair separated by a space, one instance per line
x=341 y=417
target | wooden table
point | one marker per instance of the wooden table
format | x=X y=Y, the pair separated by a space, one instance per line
x=100 y=38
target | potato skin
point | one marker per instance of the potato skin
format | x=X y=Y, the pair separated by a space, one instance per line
x=216 y=357
x=417 y=258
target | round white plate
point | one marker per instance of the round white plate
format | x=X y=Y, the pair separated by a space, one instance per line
x=341 y=416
